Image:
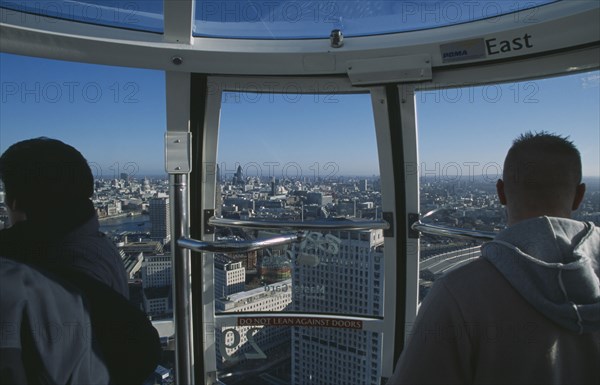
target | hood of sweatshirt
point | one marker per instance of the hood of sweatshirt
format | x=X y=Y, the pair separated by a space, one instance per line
x=554 y=263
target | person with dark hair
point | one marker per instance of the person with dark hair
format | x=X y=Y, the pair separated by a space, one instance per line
x=48 y=185
x=528 y=310
x=54 y=229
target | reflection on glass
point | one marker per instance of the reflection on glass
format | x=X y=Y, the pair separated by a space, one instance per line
x=322 y=355
x=334 y=272
x=147 y=15
x=316 y=19
x=299 y=165
x=88 y=106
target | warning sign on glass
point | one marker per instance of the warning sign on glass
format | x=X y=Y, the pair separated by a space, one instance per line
x=322 y=322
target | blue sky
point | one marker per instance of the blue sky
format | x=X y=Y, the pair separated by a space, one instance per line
x=478 y=124
x=324 y=134
x=113 y=115
x=116 y=117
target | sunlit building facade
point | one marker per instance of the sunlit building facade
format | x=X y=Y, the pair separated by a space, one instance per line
x=159 y=219
x=346 y=278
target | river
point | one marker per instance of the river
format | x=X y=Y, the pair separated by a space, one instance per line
x=136 y=223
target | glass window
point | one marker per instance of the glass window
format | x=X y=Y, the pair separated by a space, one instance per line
x=316 y=19
x=116 y=118
x=147 y=15
x=464 y=134
x=298 y=157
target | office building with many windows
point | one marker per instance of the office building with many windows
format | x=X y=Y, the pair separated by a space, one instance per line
x=345 y=278
x=159 y=220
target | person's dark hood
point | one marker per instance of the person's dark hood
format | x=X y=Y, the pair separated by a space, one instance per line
x=129 y=344
x=554 y=263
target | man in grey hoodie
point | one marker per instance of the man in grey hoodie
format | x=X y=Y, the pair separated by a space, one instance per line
x=528 y=311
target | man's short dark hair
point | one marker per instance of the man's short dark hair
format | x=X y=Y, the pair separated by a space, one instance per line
x=44 y=172
x=542 y=160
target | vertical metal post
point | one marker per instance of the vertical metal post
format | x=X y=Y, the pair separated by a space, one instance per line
x=182 y=286
x=178 y=165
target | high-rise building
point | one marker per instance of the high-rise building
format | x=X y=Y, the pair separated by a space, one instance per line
x=352 y=276
x=156 y=271
x=159 y=219
x=156 y=281
x=158 y=302
x=238 y=176
x=230 y=276
x=364 y=185
x=319 y=198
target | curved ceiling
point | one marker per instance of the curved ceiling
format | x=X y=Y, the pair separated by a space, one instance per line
x=159 y=35
x=292 y=19
x=283 y=19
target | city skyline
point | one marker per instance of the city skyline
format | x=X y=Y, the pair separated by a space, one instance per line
x=117 y=118
x=329 y=274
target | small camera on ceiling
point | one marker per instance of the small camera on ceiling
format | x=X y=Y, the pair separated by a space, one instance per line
x=336 y=38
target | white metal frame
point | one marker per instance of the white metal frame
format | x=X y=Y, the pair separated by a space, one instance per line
x=216 y=86
x=554 y=26
x=411 y=178
x=556 y=64
x=208 y=194
x=388 y=192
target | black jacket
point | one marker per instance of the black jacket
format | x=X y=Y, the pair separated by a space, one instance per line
x=127 y=341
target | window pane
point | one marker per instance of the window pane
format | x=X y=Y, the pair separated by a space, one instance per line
x=298 y=355
x=116 y=118
x=147 y=15
x=464 y=134
x=299 y=157
x=316 y=19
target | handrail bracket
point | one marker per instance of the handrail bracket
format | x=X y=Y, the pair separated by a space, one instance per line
x=412 y=232
x=208 y=228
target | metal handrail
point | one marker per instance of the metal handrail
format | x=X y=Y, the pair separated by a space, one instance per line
x=453 y=232
x=239 y=246
x=323 y=224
